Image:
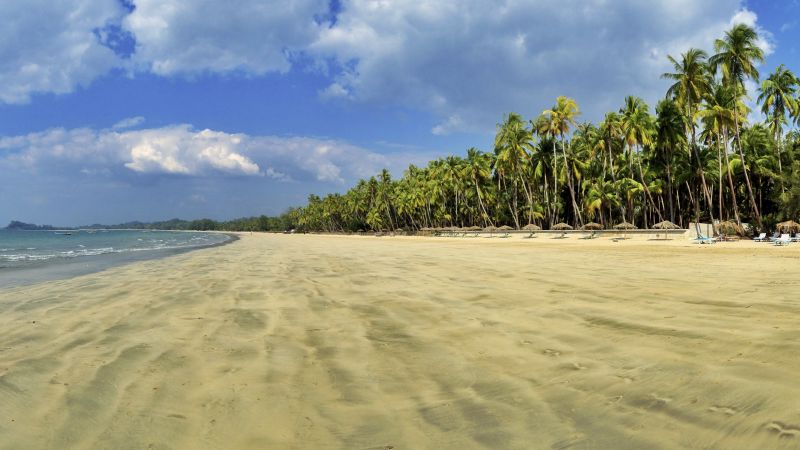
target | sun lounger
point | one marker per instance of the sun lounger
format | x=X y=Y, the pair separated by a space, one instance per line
x=774 y=237
x=700 y=239
x=796 y=237
x=785 y=239
x=761 y=237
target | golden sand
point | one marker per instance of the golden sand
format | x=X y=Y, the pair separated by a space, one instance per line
x=410 y=343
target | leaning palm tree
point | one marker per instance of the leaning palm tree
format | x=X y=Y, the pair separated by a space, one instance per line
x=557 y=122
x=777 y=98
x=637 y=128
x=513 y=144
x=691 y=83
x=737 y=55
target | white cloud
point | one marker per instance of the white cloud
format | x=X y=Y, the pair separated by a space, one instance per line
x=51 y=47
x=473 y=60
x=195 y=36
x=466 y=62
x=130 y=122
x=179 y=150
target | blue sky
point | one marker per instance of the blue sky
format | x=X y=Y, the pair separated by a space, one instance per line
x=115 y=110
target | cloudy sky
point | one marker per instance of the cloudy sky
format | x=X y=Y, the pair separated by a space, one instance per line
x=117 y=110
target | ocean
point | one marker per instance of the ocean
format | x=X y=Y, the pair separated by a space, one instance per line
x=31 y=256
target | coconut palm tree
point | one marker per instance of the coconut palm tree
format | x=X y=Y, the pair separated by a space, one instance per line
x=670 y=139
x=691 y=83
x=777 y=98
x=737 y=55
x=557 y=122
x=512 y=144
x=637 y=129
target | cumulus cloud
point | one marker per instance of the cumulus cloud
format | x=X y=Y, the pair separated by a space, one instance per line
x=196 y=36
x=180 y=151
x=469 y=61
x=52 y=47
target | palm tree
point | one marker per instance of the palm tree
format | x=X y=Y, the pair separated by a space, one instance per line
x=637 y=129
x=670 y=137
x=478 y=171
x=557 y=122
x=691 y=83
x=512 y=144
x=718 y=118
x=777 y=98
x=736 y=57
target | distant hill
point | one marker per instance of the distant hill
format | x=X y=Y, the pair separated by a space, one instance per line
x=17 y=225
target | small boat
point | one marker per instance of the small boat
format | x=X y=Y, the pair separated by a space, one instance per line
x=64 y=233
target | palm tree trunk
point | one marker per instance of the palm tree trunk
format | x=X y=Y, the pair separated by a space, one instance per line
x=744 y=167
x=730 y=182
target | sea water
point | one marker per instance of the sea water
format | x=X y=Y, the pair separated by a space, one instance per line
x=31 y=256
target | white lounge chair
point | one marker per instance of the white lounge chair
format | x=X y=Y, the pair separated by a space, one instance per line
x=774 y=237
x=796 y=237
x=785 y=239
x=761 y=237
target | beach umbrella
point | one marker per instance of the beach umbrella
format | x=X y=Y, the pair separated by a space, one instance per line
x=505 y=228
x=561 y=226
x=624 y=226
x=665 y=225
x=490 y=229
x=728 y=227
x=531 y=227
x=592 y=226
x=790 y=226
x=474 y=228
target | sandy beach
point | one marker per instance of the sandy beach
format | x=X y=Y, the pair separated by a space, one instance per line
x=290 y=341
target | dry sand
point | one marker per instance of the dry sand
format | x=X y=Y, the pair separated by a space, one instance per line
x=411 y=343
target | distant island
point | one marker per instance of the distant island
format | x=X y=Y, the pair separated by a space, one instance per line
x=17 y=225
x=283 y=222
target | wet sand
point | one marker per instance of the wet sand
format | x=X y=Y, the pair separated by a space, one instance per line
x=280 y=341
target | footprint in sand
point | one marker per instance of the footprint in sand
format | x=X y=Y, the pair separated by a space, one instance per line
x=784 y=430
x=660 y=401
x=551 y=352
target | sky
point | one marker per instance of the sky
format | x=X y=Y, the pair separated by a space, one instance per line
x=120 y=110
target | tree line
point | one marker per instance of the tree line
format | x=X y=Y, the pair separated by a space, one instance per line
x=698 y=158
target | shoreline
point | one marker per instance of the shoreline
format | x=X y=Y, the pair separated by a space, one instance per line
x=84 y=265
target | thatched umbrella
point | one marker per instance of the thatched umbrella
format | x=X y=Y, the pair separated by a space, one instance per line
x=474 y=228
x=665 y=225
x=592 y=226
x=531 y=227
x=490 y=229
x=624 y=226
x=728 y=227
x=561 y=226
x=790 y=226
x=505 y=228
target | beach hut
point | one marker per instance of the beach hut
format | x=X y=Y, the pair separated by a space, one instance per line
x=532 y=228
x=665 y=225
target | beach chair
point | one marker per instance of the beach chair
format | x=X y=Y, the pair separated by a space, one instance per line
x=700 y=239
x=785 y=239
x=591 y=235
x=761 y=237
x=775 y=237
x=796 y=237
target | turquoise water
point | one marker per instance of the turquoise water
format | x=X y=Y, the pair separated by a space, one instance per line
x=30 y=256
